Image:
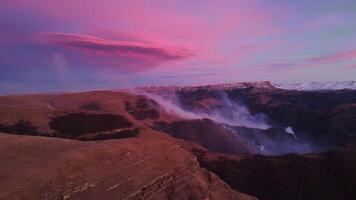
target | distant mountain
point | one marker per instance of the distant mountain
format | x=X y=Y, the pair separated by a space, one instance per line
x=315 y=120
x=314 y=85
x=310 y=86
x=212 y=87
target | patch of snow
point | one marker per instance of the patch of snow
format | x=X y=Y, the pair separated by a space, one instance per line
x=262 y=148
x=314 y=85
x=290 y=131
x=223 y=86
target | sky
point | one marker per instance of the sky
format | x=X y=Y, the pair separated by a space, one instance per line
x=66 y=45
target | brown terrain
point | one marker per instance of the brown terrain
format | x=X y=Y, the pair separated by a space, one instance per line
x=78 y=161
x=120 y=145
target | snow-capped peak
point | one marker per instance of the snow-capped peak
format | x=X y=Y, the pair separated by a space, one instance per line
x=223 y=86
x=314 y=85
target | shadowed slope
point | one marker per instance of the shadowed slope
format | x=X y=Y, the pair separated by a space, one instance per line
x=326 y=176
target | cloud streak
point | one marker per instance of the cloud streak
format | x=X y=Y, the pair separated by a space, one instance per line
x=99 y=46
x=317 y=61
x=333 y=58
x=156 y=42
x=192 y=75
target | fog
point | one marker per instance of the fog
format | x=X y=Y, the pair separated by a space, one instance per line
x=238 y=120
x=171 y=105
x=231 y=113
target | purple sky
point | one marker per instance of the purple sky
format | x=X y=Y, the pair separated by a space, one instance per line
x=66 y=45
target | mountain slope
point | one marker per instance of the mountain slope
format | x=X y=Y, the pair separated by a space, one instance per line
x=114 y=163
x=109 y=144
x=329 y=175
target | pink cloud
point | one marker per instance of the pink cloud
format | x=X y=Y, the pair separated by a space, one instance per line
x=333 y=58
x=352 y=67
x=317 y=61
x=213 y=30
x=104 y=47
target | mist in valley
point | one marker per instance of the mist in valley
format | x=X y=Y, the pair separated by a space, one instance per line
x=236 y=118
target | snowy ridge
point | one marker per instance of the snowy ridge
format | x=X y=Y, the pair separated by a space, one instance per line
x=311 y=86
x=224 y=86
x=314 y=85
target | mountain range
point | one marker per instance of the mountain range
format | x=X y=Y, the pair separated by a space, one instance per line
x=252 y=140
